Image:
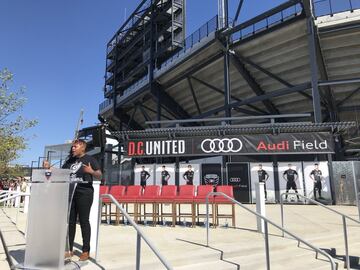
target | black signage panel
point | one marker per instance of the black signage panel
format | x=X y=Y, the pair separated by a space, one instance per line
x=211 y=174
x=284 y=143
x=238 y=177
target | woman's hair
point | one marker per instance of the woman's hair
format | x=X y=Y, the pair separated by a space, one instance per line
x=70 y=158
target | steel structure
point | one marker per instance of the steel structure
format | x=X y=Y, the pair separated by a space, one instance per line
x=302 y=56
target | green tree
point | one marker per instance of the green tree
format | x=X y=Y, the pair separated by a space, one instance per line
x=12 y=123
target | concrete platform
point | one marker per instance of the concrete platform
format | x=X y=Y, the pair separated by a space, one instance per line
x=241 y=247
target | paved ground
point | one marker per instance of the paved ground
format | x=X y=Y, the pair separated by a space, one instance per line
x=230 y=248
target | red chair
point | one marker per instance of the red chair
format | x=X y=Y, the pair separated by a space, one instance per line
x=185 y=196
x=200 y=199
x=104 y=190
x=151 y=193
x=131 y=196
x=167 y=196
x=117 y=192
x=219 y=200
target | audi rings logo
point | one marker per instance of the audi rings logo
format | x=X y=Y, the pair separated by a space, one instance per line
x=225 y=145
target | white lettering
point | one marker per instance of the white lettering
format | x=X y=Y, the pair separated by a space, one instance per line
x=174 y=146
x=168 y=147
x=309 y=146
x=323 y=145
x=297 y=144
x=157 y=148
x=181 y=147
x=148 y=148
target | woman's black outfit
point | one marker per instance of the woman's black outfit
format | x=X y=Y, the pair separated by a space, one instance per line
x=82 y=199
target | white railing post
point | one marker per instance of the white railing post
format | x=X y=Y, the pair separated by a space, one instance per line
x=94 y=216
x=27 y=198
x=17 y=199
x=260 y=206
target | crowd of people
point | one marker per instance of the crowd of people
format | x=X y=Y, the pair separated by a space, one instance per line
x=13 y=184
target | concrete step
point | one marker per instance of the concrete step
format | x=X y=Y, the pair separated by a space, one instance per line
x=15 y=242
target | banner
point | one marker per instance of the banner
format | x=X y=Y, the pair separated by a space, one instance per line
x=211 y=174
x=291 y=179
x=264 y=144
x=263 y=172
x=165 y=174
x=189 y=174
x=144 y=174
x=238 y=177
x=317 y=182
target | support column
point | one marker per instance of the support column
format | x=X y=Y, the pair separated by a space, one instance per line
x=177 y=172
x=224 y=174
x=276 y=179
x=331 y=179
x=227 y=86
x=311 y=31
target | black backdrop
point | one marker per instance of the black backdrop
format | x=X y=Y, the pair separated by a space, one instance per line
x=238 y=177
x=208 y=171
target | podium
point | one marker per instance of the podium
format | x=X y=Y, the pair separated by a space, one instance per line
x=46 y=234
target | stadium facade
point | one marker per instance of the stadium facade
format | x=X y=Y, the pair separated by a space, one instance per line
x=291 y=71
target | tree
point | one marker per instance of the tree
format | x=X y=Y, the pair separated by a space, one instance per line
x=12 y=123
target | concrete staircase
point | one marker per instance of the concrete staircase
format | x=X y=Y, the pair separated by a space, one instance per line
x=230 y=248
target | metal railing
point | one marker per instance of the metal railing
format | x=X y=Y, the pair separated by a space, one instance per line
x=266 y=232
x=265 y=21
x=201 y=33
x=12 y=195
x=140 y=234
x=105 y=105
x=331 y=7
x=344 y=217
x=2 y=238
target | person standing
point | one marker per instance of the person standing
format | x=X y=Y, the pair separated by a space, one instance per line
x=84 y=168
x=316 y=176
x=144 y=176
x=188 y=176
x=165 y=176
x=263 y=177
x=290 y=177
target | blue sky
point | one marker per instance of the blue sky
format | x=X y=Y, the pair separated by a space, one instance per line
x=57 y=50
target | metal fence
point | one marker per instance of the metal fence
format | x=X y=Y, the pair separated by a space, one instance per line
x=253 y=28
x=209 y=27
x=331 y=7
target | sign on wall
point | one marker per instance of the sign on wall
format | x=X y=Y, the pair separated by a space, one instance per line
x=238 y=177
x=211 y=174
x=285 y=143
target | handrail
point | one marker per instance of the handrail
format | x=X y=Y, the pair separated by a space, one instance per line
x=344 y=217
x=2 y=239
x=140 y=234
x=266 y=221
x=12 y=197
